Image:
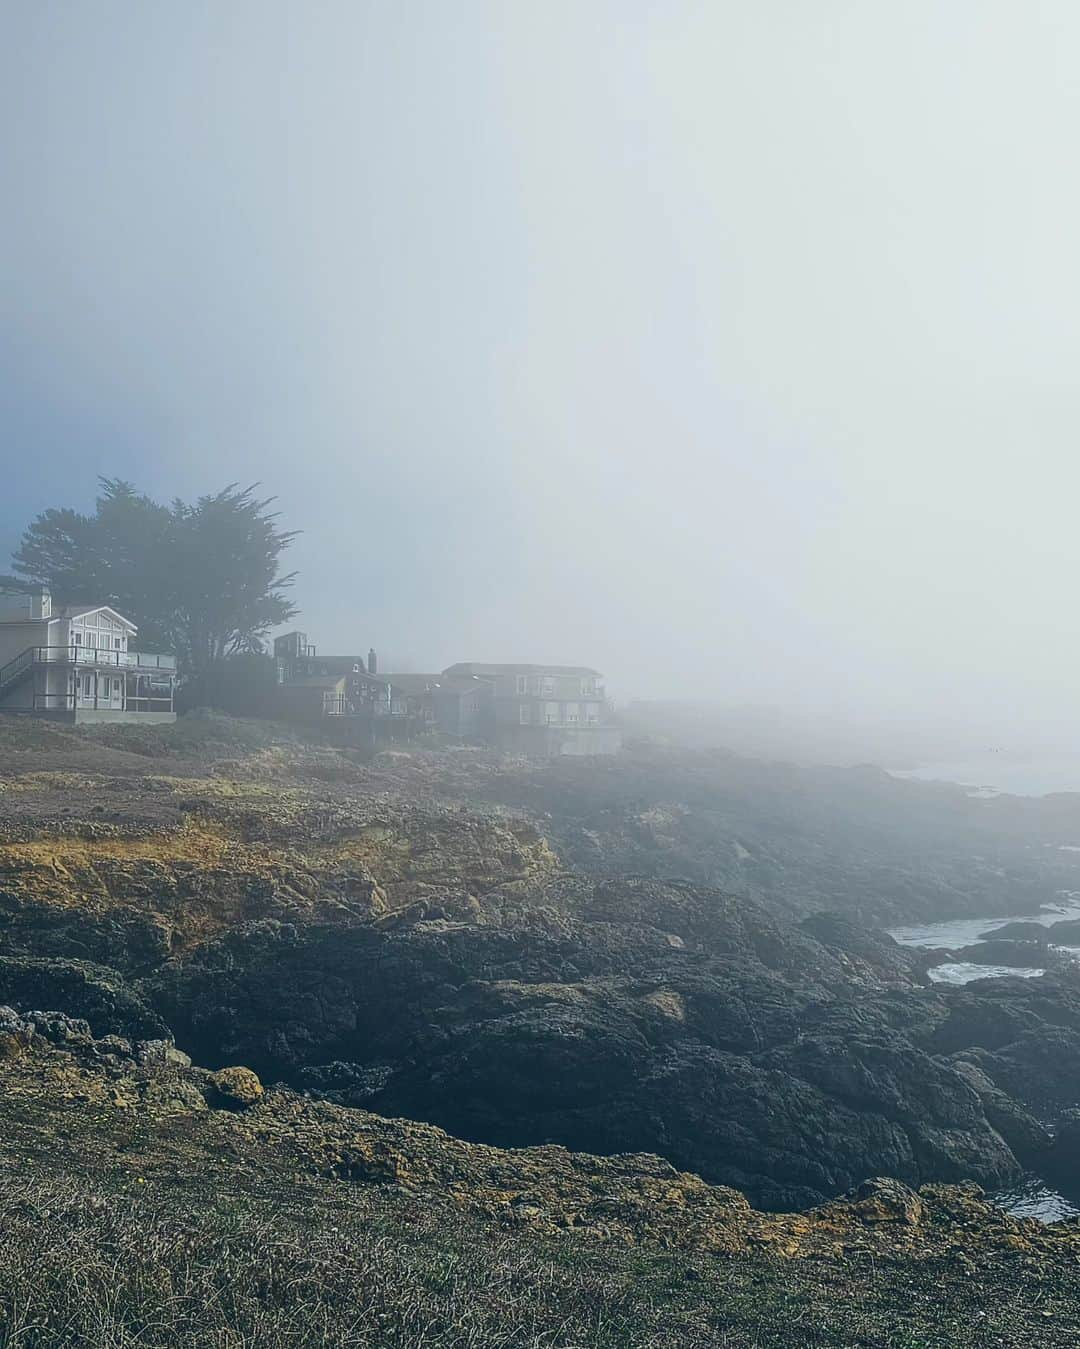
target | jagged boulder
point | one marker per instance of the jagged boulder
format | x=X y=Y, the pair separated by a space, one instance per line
x=869 y=956
x=93 y=993
x=1063 y=1161
x=1018 y=931
x=149 y=1052
x=15 y=1034
x=235 y=1088
x=883 y=1199
x=1027 y=1136
x=993 y=1013
x=1011 y=954
x=1041 y=1068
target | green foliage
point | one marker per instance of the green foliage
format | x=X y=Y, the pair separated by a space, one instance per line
x=243 y=685
x=201 y=580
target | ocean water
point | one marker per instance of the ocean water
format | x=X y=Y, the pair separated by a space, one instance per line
x=967 y=932
x=997 y=772
x=965 y=971
x=1032 y=1198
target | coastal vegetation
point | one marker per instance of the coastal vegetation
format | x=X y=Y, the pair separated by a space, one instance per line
x=203 y=577
x=649 y=999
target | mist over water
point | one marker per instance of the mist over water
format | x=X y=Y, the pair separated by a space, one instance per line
x=991 y=774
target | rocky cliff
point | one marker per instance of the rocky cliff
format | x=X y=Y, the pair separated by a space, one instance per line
x=428 y=936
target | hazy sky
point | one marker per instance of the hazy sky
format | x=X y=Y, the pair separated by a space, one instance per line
x=729 y=347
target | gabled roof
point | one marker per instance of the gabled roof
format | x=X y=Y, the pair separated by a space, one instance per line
x=76 y=611
x=81 y=611
x=490 y=671
x=463 y=684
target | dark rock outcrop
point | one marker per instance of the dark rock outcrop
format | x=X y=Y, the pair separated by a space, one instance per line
x=1011 y=954
x=1018 y=931
x=1066 y=932
x=1063 y=1159
x=374 y=940
x=626 y=1016
x=98 y=995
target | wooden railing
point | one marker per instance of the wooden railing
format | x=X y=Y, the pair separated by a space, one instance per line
x=97 y=655
x=68 y=702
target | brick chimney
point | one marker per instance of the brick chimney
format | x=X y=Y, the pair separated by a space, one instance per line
x=372 y=662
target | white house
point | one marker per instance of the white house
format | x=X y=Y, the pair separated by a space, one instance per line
x=76 y=664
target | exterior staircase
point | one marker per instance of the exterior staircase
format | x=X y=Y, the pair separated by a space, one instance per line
x=16 y=670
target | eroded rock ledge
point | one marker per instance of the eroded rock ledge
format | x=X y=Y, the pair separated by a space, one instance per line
x=143 y=1109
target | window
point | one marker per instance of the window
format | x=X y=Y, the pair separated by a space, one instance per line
x=116 y=643
x=523 y=714
x=523 y=684
x=77 y=637
x=588 y=687
x=117 y=688
x=573 y=712
x=88 y=686
x=548 y=687
x=551 y=713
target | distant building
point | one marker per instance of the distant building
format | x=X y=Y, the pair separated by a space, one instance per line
x=413 y=696
x=544 y=709
x=76 y=664
x=456 y=707
x=311 y=686
x=464 y=707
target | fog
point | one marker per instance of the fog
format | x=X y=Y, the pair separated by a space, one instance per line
x=730 y=348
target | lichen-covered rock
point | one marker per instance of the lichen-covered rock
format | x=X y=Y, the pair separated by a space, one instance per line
x=161 y=1051
x=235 y=1088
x=15 y=1034
x=884 y=1200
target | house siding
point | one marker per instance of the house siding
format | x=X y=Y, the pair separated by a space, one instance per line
x=71 y=649
x=547 y=711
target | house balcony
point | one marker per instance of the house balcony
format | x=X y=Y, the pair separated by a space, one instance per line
x=101 y=658
x=161 y=704
x=83 y=683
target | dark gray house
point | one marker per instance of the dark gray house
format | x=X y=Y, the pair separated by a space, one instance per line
x=544 y=709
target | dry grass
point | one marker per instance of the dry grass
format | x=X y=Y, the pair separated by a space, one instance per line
x=266 y=1265
x=86 y=1268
